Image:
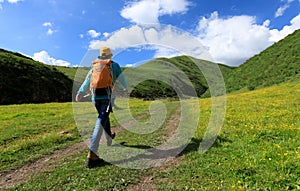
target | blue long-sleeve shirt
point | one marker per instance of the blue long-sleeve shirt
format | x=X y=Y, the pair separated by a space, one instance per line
x=117 y=75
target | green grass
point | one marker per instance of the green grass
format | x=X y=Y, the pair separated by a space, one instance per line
x=31 y=130
x=72 y=173
x=70 y=72
x=258 y=148
x=140 y=109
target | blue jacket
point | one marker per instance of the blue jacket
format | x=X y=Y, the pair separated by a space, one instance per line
x=117 y=74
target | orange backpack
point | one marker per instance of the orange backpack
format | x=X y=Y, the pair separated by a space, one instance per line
x=102 y=75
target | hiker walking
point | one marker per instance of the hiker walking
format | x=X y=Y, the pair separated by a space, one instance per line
x=100 y=79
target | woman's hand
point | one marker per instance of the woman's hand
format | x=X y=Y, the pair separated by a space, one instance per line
x=78 y=97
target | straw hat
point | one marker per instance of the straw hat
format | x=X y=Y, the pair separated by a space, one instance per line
x=105 y=53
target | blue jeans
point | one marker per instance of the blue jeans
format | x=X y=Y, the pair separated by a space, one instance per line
x=104 y=108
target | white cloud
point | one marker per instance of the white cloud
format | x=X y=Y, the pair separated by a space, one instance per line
x=121 y=39
x=44 y=57
x=14 y=1
x=234 y=40
x=93 y=33
x=50 y=32
x=165 y=40
x=106 y=34
x=277 y=35
x=81 y=35
x=47 y=24
x=230 y=40
x=280 y=11
x=9 y=1
x=148 y=11
x=130 y=65
x=141 y=12
x=266 y=23
x=165 y=52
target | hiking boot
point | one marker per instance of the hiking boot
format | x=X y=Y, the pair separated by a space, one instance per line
x=93 y=160
x=109 y=140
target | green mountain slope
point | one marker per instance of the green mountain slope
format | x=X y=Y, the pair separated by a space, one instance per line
x=180 y=73
x=23 y=80
x=278 y=63
x=68 y=71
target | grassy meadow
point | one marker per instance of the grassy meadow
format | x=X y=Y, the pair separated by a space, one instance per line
x=29 y=131
x=258 y=147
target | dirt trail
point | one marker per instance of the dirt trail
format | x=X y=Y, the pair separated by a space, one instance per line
x=146 y=183
x=49 y=162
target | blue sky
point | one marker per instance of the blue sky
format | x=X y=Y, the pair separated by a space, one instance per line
x=69 y=33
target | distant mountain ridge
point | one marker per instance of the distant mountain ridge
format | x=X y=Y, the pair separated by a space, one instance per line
x=178 y=73
x=24 y=80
